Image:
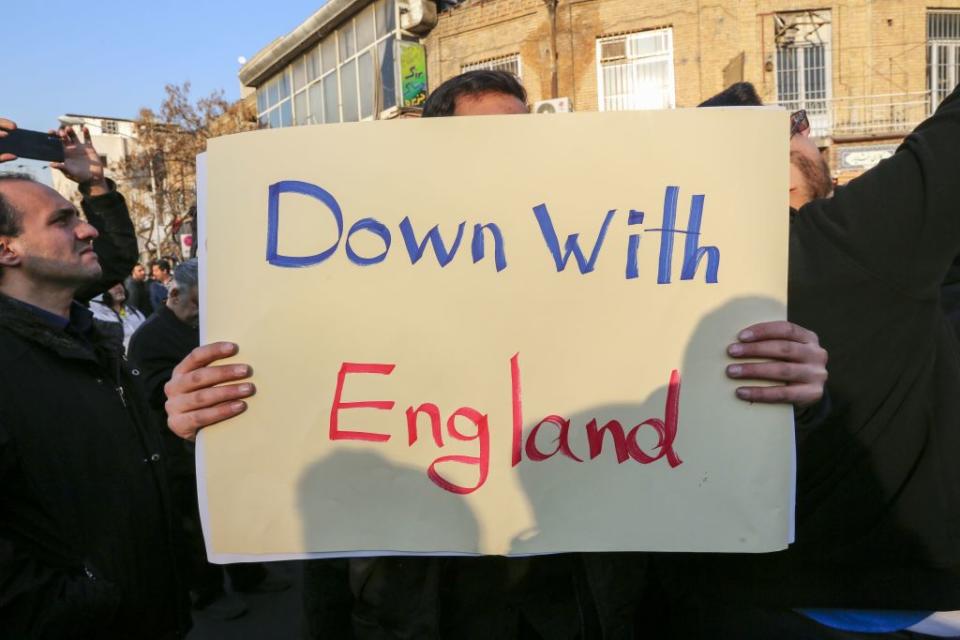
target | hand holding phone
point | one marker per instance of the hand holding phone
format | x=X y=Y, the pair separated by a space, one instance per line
x=5 y=126
x=81 y=162
x=23 y=143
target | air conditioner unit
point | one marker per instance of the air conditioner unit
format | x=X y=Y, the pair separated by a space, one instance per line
x=557 y=105
x=418 y=16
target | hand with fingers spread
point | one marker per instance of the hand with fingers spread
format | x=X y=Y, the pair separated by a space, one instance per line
x=6 y=125
x=794 y=358
x=194 y=399
x=81 y=162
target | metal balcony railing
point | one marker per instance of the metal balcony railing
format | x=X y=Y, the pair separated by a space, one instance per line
x=875 y=115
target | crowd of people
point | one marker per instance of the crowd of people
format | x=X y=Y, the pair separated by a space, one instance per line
x=99 y=530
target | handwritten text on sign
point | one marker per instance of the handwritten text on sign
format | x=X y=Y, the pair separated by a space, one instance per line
x=625 y=444
x=416 y=247
x=500 y=352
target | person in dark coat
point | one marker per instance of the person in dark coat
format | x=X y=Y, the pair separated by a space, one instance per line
x=874 y=269
x=86 y=542
x=950 y=296
x=138 y=291
x=159 y=286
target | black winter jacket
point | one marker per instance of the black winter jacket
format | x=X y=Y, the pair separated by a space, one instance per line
x=85 y=528
x=156 y=347
x=878 y=484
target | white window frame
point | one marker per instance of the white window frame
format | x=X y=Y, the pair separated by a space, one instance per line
x=313 y=115
x=500 y=63
x=949 y=40
x=819 y=110
x=664 y=56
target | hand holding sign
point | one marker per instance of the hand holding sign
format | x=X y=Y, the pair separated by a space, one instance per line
x=195 y=398
x=796 y=360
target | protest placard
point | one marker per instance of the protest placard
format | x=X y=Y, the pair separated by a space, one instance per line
x=497 y=335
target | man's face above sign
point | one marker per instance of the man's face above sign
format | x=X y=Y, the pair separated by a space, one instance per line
x=490 y=103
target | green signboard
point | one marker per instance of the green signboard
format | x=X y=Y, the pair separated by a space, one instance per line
x=413 y=74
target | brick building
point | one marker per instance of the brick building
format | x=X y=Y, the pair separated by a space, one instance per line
x=866 y=71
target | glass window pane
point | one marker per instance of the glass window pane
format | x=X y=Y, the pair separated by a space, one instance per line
x=313 y=65
x=299 y=74
x=386 y=22
x=388 y=75
x=286 y=114
x=365 y=70
x=316 y=103
x=348 y=91
x=273 y=93
x=274 y=119
x=300 y=107
x=348 y=44
x=328 y=52
x=263 y=121
x=261 y=99
x=365 y=31
x=644 y=44
x=284 y=85
x=331 y=102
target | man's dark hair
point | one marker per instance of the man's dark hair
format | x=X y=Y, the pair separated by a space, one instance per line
x=9 y=216
x=443 y=101
x=740 y=94
x=162 y=264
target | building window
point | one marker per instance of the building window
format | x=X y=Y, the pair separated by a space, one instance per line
x=350 y=75
x=943 y=54
x=273 y=100
x=109 y=126
x=509 y=63
x=803 y=65
x=635 y=71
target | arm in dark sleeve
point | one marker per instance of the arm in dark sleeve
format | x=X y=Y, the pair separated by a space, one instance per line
x=116 y=245
x=808 y=419
x=39 y=601
x=899 y=220
x=155 y=366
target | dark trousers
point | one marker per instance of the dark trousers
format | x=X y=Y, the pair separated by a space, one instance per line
x=204 y=579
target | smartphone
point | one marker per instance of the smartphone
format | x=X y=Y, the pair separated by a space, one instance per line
x=35 y=145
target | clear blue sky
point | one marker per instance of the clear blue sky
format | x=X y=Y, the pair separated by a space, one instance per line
x=112 y=58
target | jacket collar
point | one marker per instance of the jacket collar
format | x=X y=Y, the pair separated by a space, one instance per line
x=22 y=319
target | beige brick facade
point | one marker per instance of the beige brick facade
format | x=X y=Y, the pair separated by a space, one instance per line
x=878 y=48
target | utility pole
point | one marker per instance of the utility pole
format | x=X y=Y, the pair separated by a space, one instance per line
x=552 y=17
